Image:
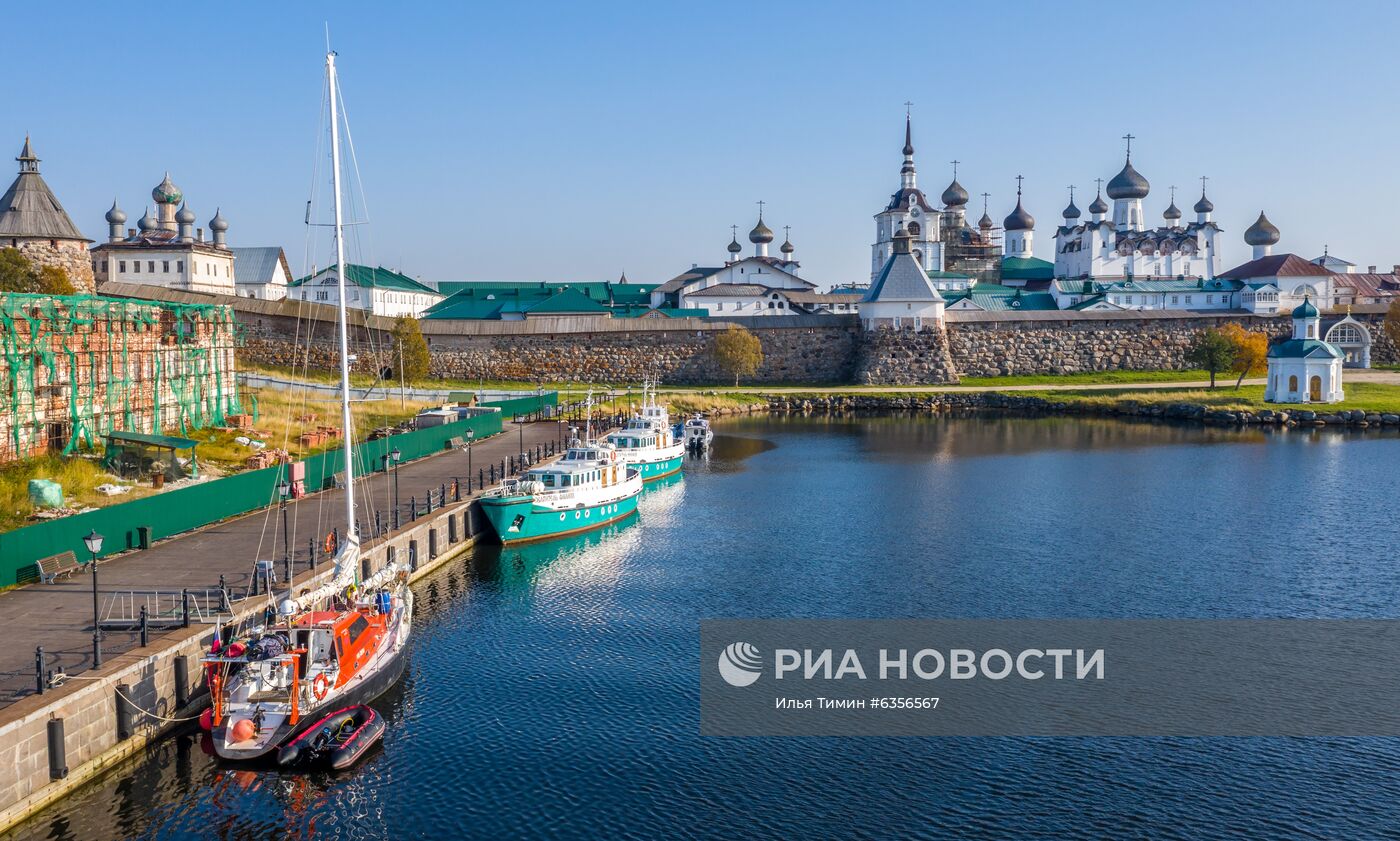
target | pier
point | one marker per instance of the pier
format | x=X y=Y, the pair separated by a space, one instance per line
x=140 y=691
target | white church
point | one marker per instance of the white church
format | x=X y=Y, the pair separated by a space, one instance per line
x=1304 y=369
x=745 y=286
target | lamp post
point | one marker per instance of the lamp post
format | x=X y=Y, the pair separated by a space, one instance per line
x=471 y=433
x=94 y=545
x=394 y=457
x=284 y=490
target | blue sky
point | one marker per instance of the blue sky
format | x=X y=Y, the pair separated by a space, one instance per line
x=571 y=141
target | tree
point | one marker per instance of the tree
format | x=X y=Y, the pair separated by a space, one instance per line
x=738 y=352
x=1211 y=350
x=1392 y=322
x=1251 y=351
x=17 y=274
x=410 y=351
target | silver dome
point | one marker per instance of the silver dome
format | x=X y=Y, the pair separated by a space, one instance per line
x=115 y=216
x=1128 y=184
x=1262 y=232
x=218 y=223
x=166 y=192
x=184 y=215
x=955 y=195
x=1019 y=220
x=760 y=233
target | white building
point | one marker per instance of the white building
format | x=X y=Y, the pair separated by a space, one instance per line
x=1335 y=265
x=262 y=273
x=902 y=297
x=910 y=210
x=1119 y=244
x=377 y=290
x=166 y=249
x=1287 y=279
x=1304 y=369
x=747 y=286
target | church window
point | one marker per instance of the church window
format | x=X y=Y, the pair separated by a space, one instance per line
x=180 y=266
x=121 y=266
x=1293 y=383
x=151 y=266
x=136 y=266
x=1312 y=330
x=165 y=266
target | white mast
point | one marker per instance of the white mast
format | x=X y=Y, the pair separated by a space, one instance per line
x=352 y=537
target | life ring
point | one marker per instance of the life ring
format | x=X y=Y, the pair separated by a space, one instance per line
x=330 y=542
x=320 y=686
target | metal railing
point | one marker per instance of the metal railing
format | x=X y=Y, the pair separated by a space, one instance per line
x=131 y=609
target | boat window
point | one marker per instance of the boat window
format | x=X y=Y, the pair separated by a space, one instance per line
x=357 y=628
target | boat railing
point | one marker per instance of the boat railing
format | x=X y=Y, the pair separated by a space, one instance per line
x=167 y=608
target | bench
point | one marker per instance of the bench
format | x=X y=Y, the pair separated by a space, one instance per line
x=455 y=443
x=50 y=568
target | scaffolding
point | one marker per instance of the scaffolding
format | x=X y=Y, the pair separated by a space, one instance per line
x=76 y=367
x=970 y=251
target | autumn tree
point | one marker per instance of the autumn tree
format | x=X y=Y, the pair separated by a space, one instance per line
x=410 y=351
x=17 y=274
x=738 y=352
x=1212 y=351
x=1251 y=351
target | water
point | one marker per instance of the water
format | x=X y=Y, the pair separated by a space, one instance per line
x=553 y=690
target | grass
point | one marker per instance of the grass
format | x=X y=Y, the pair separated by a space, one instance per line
x=1368 y=397
x=79 y=477
x=1089 y=378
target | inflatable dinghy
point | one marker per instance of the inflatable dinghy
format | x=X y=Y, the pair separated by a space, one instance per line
x=336 y=741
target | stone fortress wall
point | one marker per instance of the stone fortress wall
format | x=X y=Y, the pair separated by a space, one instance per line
x=830 y=350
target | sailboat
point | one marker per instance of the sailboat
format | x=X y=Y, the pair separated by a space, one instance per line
x=338 y=645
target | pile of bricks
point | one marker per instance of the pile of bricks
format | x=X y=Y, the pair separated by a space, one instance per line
x=267 y=458
x=319 y=436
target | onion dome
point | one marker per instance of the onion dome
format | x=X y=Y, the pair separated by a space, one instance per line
x=1204 y=205
x=1307 y=310
x=787 y=247
x=1172 y=213
x=1128 y=183
x=184 y=215
x=1071 y=212
x=955 y=195
x=1262 y=232
x=734 y=246
x=1098 y=205
x=218 y=223
x=985 y=223
x=760 y=233
x=146 y=223
x=115 y=216
x=166 y=192
x=1019 y=220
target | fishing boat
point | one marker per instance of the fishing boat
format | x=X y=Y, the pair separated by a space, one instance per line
x=648 y=441
x=337 y=645
x=697 y=433
x=588 y=488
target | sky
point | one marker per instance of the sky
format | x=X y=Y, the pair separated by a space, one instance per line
x=577 y=141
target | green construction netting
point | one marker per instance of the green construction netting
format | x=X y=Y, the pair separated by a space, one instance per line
x=108 y=357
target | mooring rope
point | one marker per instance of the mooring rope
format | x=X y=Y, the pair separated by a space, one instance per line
x=153 y=715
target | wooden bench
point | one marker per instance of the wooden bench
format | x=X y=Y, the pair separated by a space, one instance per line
x=50 y=568
x=455 y=443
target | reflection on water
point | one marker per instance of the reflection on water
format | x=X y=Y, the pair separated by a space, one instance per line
x=552 y=688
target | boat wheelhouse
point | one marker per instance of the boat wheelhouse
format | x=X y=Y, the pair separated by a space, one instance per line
x=648 y=441
x=588 y=488
x=697 y=434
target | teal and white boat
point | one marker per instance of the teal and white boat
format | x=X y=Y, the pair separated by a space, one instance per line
x=590 y=487
x=648 y=442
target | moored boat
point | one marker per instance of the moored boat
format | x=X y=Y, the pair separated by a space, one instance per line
x=648 y=441
x=340 y=644
x=588 y=488
x=697 y=433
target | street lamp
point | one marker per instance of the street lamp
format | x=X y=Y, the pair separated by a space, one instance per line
x=284 y=490
x=94 y=545
x=471 y=433
x=394 y=457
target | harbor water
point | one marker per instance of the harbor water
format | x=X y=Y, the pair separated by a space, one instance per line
x=553 y=689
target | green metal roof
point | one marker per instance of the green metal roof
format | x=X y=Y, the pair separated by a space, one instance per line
x=994 y=297
x=376 y=278
x=1300 y=348
x=569 y=300
x=602 y=291
x=1027 y=268
x=938 y=275
x=167 y=441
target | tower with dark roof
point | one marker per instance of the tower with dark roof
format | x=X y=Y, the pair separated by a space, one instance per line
x=910 y=209
x=1262 y=236
x=1127 y=189
x=33 y=222
x=1020 y=228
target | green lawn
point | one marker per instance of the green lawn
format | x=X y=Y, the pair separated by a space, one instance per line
x=1368 y=397
x=1090 y=378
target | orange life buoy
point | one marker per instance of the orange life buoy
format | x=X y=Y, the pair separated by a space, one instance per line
x=320 y=686
x=330 y=542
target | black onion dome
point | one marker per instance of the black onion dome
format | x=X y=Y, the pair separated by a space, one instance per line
x=734 y=246
x=760 y=233
x=1128 y=184
x=1204 y=205
x=1098 y=205
x=1071 y=212
x=787 y=247
x=1262 y=232
x=955 y=195
x=985 y=223
x=1019 y=220
x=1172 y=212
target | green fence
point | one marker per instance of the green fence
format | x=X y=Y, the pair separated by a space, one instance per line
x=177 y=511
x=526 y=405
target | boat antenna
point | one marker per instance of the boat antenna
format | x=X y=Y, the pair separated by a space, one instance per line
x=347 y=422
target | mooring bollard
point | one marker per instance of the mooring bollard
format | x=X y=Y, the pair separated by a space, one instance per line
x=126 y=714
x=58 y=755
x=182 y=681
x=457 y=489
x=145 y=627
x=40 y=682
